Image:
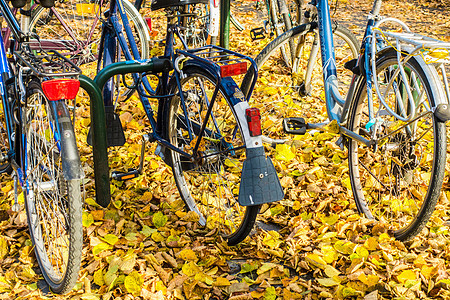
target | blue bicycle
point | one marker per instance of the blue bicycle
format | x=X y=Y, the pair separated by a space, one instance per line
x=203 y=125
x=392 y=119
x=38 y=148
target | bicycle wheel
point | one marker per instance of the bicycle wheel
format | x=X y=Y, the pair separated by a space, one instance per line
x=74 y=29
x=277 y=89
x=195 y=28
x=53 y=204
x=398 y=180
x=280 y=14
x=210 y=185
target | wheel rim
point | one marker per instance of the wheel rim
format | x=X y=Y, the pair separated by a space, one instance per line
x=46 y=192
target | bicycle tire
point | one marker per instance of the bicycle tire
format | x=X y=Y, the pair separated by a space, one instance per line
x=398 y=181
x=209 y=187
x=53 y=203
x=281 y=22
x=83 y=46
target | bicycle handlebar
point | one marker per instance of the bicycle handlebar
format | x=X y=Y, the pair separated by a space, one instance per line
x=376 y=7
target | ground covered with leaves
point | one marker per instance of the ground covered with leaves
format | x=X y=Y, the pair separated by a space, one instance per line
x=311 y=245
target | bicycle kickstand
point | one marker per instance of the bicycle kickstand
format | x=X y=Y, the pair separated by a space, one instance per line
x=132 y=173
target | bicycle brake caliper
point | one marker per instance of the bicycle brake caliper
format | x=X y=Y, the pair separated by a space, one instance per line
x=259 y=180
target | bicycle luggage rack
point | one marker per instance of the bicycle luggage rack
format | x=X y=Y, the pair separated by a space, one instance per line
x=48 y=63
x=218 y=57
x=432 y=51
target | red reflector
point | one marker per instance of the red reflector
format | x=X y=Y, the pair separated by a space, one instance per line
x=149 y=23
x=233 y=69
x=254 y=121
x=58 y=89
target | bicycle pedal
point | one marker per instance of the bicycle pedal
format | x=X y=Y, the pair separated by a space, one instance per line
x=294 y=125
x=114 y=129
x=122 y=176
x=257 y=33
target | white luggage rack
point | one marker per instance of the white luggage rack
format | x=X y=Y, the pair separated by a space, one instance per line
x=407 y=44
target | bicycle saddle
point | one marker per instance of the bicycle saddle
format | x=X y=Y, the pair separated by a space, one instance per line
x=158 y=4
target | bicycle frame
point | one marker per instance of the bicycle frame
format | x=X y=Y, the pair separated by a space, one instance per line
x=338 y=108
x=107 y=49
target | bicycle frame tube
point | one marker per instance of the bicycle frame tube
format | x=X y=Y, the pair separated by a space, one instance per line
x=109 y=44
x=11 y=20
x=4 y=74
x=334 y=100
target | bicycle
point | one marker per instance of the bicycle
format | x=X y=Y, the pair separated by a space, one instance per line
x=39 y=150
x=73 y=28
x=204 y=128
x=392 y=119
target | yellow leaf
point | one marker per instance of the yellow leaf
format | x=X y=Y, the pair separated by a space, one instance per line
x=191 y=216
x=87 y=219
x=331 y=272
x=406 y=275
x=362 y=252
x=368 y=280
x=159 y=219
x=272 y=239
x=315 y=260
x=128 y=262
x=190 y=269
x=161 y=287
x=3 y=248
x=371 y=243
x=329 y=254
x=330 y=220
x=5 y=189
x=100 y=248
x=265 y=267
x=98 y=277
x=111 y=276
x=344 y=247
x=133 y=282
x=428 y=271
x=419 y=261
x=188 y=254
x=157 y=237
x=284 y=152
x=110 y=239
x=221 y=281
x=332 y=127
x=204 y=278
x=327 y=281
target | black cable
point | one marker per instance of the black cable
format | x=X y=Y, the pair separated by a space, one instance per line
x=335 y=8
